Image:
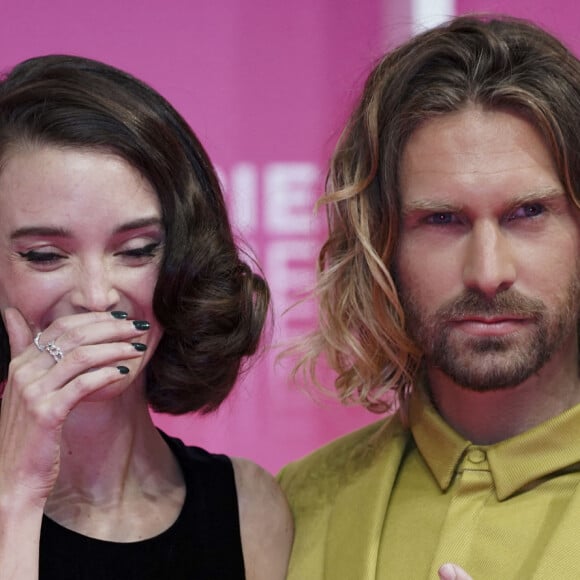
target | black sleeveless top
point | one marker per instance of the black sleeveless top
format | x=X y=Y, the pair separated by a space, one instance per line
x=204 y=542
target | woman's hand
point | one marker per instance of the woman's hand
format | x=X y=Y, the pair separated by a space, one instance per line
x=40 y=393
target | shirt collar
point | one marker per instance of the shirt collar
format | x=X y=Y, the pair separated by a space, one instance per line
x=514 y=463
x=441 y=447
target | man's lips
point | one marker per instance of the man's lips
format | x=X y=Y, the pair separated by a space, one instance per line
x=490 y=326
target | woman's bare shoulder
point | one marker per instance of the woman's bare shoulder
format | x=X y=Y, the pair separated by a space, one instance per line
x=266 y=523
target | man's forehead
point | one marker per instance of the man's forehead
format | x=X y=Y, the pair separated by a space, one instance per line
x=475 y=152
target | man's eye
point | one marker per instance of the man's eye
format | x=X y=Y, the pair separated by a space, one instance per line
x=148 y=251
x=529 y=210
x=442 y=218
x=40 y=257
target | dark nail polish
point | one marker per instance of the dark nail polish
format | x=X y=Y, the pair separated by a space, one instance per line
x=141 y=324
x=119 y=314
x=139 y=346
x=123 y=370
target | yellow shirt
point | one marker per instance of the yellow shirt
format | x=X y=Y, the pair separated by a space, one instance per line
x=379 y=504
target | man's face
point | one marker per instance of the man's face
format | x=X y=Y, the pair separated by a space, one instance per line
x=487 y=266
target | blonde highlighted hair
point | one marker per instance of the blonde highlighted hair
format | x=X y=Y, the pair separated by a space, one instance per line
x=496 y=63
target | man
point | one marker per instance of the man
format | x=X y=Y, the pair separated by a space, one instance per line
x=450 y=279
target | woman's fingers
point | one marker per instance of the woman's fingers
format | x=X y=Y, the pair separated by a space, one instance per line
x=453 y=572
x=44 y=390
x=90 y=328
x=53 y=410
x=67 y=341
x=34 y=380
x=19 y=333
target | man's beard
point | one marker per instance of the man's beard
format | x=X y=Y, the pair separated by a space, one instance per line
x=497 y=362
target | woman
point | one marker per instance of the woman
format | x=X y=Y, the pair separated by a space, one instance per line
x=121 y=289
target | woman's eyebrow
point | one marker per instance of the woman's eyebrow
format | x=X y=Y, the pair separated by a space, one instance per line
x=58 y=232
x=49 y=231
x=139 y=223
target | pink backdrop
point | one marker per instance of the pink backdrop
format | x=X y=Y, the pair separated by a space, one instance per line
x=266 y=84
x=559 y=17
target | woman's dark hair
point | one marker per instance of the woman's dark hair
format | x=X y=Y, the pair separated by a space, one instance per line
x=210 y=303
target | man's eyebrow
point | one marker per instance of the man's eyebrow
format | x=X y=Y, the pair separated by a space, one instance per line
x=429 y=205
x=57 y=232
x=443 y=206
x=547 y=194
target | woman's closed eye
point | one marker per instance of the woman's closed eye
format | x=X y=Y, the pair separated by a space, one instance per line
x=147 y=251
x=46 y=257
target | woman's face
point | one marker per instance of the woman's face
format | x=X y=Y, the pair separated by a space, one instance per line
x=80 y=231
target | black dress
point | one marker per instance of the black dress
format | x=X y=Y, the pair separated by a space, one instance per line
x=203 y=543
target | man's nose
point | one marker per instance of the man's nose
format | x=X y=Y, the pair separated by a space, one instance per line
x=489 y=266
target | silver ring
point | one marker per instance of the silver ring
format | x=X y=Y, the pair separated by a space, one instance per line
x=54 y=351
x=37 y=344
x=51 y=348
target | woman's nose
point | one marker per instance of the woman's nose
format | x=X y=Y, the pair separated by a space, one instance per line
x=94 y=289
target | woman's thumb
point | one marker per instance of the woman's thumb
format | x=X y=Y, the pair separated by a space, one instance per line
x=19 y=333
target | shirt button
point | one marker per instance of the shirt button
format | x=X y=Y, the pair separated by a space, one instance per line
x=476 y=456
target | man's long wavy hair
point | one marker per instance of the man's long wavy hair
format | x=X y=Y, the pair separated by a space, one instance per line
x=210 y=303
x=493 y=62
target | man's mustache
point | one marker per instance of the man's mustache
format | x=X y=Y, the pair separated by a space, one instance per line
x=508 y=303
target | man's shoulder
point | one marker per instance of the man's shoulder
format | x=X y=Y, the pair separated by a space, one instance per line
x=347 y=478
x=345 y=457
